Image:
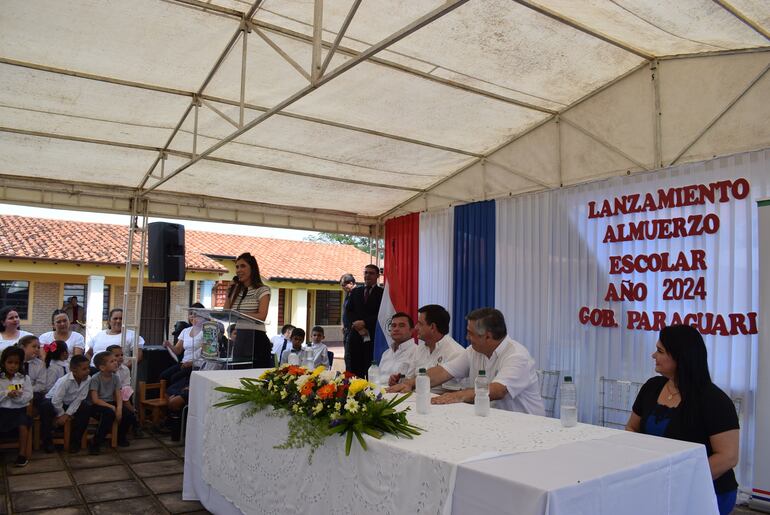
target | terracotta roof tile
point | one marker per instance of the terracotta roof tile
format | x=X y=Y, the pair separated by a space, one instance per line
x=82 y=242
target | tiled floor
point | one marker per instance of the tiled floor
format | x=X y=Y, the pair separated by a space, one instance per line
x=145 y=478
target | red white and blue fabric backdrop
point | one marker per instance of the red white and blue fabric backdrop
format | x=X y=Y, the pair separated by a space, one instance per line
x=587 y=275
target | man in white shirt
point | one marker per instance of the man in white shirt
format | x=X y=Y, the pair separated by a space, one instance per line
x=435 y=346
x=511 y=370
x=397 y=360
x=64 y=402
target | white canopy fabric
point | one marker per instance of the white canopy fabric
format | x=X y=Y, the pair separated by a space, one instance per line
x=223 y=110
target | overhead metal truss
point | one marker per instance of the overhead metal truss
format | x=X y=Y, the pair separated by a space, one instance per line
x=317 y=75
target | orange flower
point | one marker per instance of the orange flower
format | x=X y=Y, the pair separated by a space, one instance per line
x=307 y=388
x=295 y=370
x=327 y=391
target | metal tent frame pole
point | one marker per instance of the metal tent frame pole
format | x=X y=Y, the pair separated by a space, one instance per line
x=132 y=298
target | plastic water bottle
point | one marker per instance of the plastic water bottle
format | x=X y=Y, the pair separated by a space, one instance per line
x=307 y=358
x=374 y=373
x=568 y=409
x=481 y=402
x=293 y=359
x=422 y=389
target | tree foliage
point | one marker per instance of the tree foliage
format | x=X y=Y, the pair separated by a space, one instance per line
x=362 y=243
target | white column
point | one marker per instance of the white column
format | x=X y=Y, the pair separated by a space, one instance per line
x=207 y=288
x=94 y=305
x=271 y=324
x=299 y=308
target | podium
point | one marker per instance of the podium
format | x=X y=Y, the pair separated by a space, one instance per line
x=219 y=351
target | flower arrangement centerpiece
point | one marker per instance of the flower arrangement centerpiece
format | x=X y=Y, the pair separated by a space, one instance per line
x=321 y=403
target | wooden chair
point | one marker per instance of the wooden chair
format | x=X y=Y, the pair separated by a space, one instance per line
x=156 y=405
x=112 y=436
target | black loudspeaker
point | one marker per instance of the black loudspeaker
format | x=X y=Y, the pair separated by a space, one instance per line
x=166 y=252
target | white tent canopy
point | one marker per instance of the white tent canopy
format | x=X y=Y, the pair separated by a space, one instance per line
x=336 y=115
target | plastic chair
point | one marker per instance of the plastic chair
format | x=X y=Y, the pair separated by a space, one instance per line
x=93 y=423
x=549 y=386
x=617 y=397
x=156 y=405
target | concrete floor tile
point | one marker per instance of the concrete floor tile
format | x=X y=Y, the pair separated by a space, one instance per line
x=142 y=443
x=156 y=454
x=44 y=499
x=99 y=492
x=158 y=468
x=35 y=481
x=71 y=510
x=35 y=466
x=165 y=484
x=166 y=440
x=175 y=504
x=136 y=506
x=80 y=461
x=101 y=474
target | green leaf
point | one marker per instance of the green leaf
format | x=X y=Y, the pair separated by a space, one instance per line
x=360 y=439
x=348 y=442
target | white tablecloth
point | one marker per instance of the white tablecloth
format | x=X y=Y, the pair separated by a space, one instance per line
x=507 y=462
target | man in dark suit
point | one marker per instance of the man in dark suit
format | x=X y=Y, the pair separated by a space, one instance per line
x=362 y=309
x=348 y=283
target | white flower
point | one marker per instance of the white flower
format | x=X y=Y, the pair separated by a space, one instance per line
x=327 y=376
x=371 y=394
x=301 y=380
x=337 y=406
x=336 y=415
x=284 y=394
x=318 y=408
x=351 y=405
x=295 y=408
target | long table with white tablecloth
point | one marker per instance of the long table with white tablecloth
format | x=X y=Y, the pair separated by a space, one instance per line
x=504 y=463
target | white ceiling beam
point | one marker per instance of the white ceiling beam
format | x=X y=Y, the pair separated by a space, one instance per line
x=340 y=34
x=255 y=107
x=377 y=60
x=545 y=11
x=294 y=64
x=81 y=196
x=191 y=155
x=719 y=115
x=743 y=17
x=416 y=25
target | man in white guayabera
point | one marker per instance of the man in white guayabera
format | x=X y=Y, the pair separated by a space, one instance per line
x=513 y=383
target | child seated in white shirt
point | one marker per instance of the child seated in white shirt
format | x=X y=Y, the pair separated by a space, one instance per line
x=66 y=401
x=15 y=394
x=320 y=352
x=297 y=337
x=33 y=367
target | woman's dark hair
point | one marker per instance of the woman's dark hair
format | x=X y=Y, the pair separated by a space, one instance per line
x=256 y=279
x=4 y=314
x=57 y=312
x=61 y=348
x=113 y=310
x=197 y=305
x=685 y=345
x=13 y=350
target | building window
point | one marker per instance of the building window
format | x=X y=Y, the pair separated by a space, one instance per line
x=281 y=307
x=16 y=294
x=80 y=291
x=220 y=294
x=327 y=307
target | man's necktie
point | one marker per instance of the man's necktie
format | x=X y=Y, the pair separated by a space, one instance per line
x=367 y=290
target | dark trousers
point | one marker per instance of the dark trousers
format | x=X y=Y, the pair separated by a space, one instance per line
x=48 y=415
x=106 y=417
x=361 y=354
x=175 y=373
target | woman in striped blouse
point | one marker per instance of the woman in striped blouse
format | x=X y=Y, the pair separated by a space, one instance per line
x=250 y=297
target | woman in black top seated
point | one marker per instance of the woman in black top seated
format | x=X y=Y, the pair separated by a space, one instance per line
x=682 y=403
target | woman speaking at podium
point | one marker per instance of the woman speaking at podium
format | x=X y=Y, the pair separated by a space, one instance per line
x=250 y=297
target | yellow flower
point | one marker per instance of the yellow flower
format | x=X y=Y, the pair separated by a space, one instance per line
x=318 y=370
x=357 y=385
x=266 y=373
